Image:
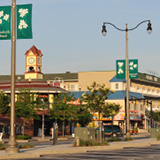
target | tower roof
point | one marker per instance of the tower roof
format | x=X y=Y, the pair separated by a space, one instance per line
x=34 y=50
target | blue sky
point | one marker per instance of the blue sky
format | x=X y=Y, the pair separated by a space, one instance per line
x=68 y=32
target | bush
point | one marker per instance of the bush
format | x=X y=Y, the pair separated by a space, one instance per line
x=25 y=137
x=128 y=139
x=22 y=146
x=158 y=137
x=2 y=146
x=112 y=139
x=90 y=143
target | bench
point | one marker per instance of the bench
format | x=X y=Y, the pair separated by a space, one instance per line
x=1 y=135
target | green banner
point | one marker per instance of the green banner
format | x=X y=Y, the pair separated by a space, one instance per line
x=133 y=68
x=5 y=22
x=121 y=69
x=24 y=21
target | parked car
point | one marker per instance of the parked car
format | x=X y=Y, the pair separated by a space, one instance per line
x=112 y=130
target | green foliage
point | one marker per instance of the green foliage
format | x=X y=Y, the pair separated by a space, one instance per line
x=23 y=146
x=2 y=146
x=128 y=139
x=83 y=116
x=112 y=139
x=91 y=143
x=4 y=104
x=111 y=109
x=63 y=109
x=158 y=137
x=26 y=105
x=96 y=97
x=105 y=143
x=23 y=137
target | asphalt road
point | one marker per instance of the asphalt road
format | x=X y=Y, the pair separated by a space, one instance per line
x=145 y=153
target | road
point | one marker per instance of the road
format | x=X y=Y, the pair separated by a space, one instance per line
x=145 y=153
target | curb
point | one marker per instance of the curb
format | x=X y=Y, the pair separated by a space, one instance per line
x=19 y=156
x=72 y=150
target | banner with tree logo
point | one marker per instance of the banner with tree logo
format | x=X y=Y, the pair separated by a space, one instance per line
x=5 y=22
x=24 y=21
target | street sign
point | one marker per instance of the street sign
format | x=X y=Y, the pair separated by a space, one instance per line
x=133 y=68
x=120 y=69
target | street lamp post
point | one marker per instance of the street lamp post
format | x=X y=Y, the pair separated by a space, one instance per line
x=48 y=93
x=104 y=31
x=12 y=145
x=43 y=119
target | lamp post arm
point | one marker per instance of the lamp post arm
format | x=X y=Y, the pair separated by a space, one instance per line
x=138 y=25
x=127 y=29
x=114 y=26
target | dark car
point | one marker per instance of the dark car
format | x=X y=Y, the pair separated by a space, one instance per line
x=112 y=130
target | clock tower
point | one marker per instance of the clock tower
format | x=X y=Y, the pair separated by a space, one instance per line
x=33 y=67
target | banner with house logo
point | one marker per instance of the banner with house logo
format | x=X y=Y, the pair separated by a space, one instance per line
x=121 y=69
x=133 y=68
x=5 y=22
x=24 y=21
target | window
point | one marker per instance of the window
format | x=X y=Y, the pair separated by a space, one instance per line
x=116 y=86
x=72 y=87
x=3 y=129
x=141 y=107
x=17 y=129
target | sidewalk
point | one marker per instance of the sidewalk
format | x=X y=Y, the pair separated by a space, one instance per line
x=140 y=140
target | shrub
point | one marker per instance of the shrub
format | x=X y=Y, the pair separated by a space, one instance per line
x=22 y=146
x=128 y=139
x=158 y=137
x=25 y=137
x=105 y=142
x=112 y=139
x=2 y=146
x=90 y=143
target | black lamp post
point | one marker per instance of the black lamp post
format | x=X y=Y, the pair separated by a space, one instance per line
x=104 y=31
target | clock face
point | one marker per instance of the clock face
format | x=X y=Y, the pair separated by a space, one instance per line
x=31 y=60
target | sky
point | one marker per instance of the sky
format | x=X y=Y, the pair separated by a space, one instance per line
x=68 y=33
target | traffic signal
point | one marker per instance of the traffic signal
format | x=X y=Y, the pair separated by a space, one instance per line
x=133 y=100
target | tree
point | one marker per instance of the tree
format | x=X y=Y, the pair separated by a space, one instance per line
x=4 y=104
x=111 y=109
x=83 y=116
x=63 y=109
x=96 y=98
x=26 y=106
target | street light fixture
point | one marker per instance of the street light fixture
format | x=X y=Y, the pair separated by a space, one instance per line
x=104 y=32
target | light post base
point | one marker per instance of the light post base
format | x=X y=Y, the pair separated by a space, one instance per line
x=12 y=147
x=128 y=134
